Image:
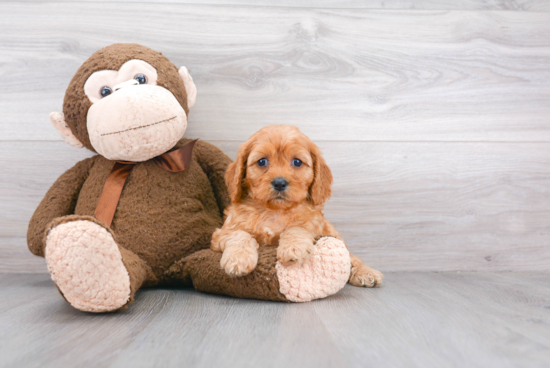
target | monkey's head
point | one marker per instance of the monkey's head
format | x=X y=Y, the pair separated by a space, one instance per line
x=126 y=102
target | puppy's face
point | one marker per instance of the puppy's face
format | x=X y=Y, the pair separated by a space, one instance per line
x=279 y=167
x=279 y=170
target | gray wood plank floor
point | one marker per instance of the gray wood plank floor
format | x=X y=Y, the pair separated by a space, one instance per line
x=415 y=320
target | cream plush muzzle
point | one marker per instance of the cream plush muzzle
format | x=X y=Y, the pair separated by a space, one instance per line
x=136 y=123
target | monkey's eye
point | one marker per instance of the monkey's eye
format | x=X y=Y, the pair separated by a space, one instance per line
x=141 y=78
x=262 y=162
x=105 y=91
x=297 y=162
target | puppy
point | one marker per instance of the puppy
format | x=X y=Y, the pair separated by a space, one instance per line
x=278 y=186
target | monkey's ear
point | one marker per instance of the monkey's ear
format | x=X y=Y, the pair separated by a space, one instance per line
x=58 y=121
x=189 y=86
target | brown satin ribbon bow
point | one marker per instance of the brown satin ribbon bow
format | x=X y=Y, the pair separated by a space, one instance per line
x=174 y=161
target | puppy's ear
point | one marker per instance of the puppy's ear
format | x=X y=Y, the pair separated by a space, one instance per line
x=320 y=190
x=236 y=171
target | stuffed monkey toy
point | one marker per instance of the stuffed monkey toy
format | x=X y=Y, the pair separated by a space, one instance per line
x=141 y=212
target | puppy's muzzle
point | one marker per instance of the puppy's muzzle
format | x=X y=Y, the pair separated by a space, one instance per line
x=279 y=184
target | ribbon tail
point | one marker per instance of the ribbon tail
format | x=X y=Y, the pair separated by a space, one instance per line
x=108 y=201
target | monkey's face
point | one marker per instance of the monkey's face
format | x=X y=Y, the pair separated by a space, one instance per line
x=132 y=118
x=127 y=103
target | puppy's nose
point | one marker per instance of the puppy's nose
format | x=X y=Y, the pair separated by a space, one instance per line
x=279 y=184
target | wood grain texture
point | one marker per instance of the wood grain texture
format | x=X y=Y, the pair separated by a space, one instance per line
x=434 y=121
x=15 y=257
x=399 y=205
x=515 y=5
x=415 y=320
x=342 y=74
x=451 y=320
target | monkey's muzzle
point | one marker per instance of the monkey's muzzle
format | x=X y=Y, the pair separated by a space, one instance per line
x=136 y=123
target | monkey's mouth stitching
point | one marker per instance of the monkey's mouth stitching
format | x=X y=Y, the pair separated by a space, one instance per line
x=142 y=126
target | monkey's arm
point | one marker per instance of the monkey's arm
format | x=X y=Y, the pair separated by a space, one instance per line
x=60 y=200
x=214 y=163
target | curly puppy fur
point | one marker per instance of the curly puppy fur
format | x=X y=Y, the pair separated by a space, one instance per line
x=278 y=186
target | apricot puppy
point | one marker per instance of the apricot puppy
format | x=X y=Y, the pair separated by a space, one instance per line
x=278 y=186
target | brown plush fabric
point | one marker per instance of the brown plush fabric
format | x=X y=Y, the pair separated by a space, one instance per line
x=140 y=273
x=161 y=216
x=60 y=200
x=203 y=270
x=214 y=166
x=76 y=103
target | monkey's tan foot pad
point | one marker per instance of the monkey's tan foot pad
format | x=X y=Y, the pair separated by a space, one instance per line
x=324 y=273
x=86 y=265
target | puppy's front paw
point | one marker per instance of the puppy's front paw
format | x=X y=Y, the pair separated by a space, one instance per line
x=240 y=259
x=294 y=253
x=364 y=276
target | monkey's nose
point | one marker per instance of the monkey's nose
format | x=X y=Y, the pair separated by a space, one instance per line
x=279 y=184
x=131 y=82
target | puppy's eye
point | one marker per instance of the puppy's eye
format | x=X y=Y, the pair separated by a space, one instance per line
x=141 y=78
x=297 y=162
x=262 y=162
x=105 y=91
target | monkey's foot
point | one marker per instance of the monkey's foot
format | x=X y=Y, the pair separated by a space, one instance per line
x=322 y=274
x=86 y=265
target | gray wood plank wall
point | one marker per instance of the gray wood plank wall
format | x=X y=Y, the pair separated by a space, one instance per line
x=434 y=116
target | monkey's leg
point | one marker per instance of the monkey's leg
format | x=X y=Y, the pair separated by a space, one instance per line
x=92 y=272
x=321 y=275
